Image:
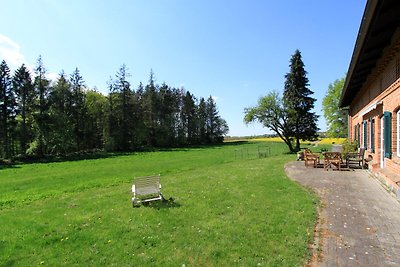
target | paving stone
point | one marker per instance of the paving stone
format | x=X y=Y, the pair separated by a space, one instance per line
x=360 y=220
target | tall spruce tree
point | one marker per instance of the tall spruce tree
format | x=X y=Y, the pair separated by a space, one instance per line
x=112 y=126
x=7 y=111
x=189 y=118
x=42 y=117
x=150 y=105
x=78 y=109
x=216 y=126
x=168 y=109
x=62 y=139
x=25 y=94
x=299 y=103
x=124 y=108
x=202 y=121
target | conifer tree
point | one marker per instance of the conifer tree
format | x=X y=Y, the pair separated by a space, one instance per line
x=202 y=121
x=7 y=111
x=78 y=110
x=62 y=139
x=150 y=105
x=25 y=94
x=299 y=103
x=124 y=106
x=42 y=89
x=189 y=118
x=216 y=126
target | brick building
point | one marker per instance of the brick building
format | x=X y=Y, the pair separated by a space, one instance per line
x=372 y=90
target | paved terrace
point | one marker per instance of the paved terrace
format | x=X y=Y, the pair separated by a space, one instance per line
x=359 y=221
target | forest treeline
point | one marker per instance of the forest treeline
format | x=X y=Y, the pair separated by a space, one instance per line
x=40 y=117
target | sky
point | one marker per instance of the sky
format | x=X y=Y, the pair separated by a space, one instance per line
x=235 y=51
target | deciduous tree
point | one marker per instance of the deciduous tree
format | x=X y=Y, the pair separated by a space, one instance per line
x=272 y=114
x=335 y=117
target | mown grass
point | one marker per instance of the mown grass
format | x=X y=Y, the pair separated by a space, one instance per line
x=226 y=211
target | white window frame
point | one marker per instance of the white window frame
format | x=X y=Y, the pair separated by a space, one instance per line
x=370 y=134
x=361 y=129
x=398 y=133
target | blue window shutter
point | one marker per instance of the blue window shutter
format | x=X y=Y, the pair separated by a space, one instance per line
x=387 y=133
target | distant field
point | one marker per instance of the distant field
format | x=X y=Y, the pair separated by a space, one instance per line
x=322 y=141
x=231 y=208
x=330 y=141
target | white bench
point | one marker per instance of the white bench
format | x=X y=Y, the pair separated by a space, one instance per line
x=146 y=189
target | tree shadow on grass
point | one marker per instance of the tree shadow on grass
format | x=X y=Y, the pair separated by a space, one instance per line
x=7 y=165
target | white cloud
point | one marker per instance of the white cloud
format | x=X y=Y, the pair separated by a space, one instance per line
x=10 y=51
x=52 y=76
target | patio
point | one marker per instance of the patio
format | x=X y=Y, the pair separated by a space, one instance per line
x=359 y=221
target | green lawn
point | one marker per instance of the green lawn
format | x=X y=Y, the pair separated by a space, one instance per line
x=230 y=208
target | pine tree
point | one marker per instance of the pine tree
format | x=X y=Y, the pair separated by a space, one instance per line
x=62 y=139
x=25 y=95
x=202 y=121
x=150 y=105
x=298 y=101
x=78 y=111
x=189 y=117
x=42 y=90
x=112 y=126
x=140 y=130
x=168 y=109
x=7 y=111
x=125 y=109
x=216 y=127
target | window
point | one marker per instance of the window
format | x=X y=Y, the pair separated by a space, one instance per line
x=387 y=133
x=372 y=134
x=398 y=132
x=358 y=135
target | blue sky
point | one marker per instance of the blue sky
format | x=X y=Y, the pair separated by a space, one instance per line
x=236 y=51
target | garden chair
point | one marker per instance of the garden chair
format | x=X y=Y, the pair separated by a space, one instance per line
x=145 y=189
x=310 y=158
x=356 y=157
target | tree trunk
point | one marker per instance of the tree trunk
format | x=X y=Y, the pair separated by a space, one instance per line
x=297 y=149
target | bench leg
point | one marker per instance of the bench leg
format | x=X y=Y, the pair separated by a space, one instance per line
x=136 y=202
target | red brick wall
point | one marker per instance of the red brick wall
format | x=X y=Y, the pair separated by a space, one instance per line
x=382 y=87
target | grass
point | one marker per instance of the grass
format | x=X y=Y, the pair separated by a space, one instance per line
x=226 y=211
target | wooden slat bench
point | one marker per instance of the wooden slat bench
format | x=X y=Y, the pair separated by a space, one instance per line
x=145 y=189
